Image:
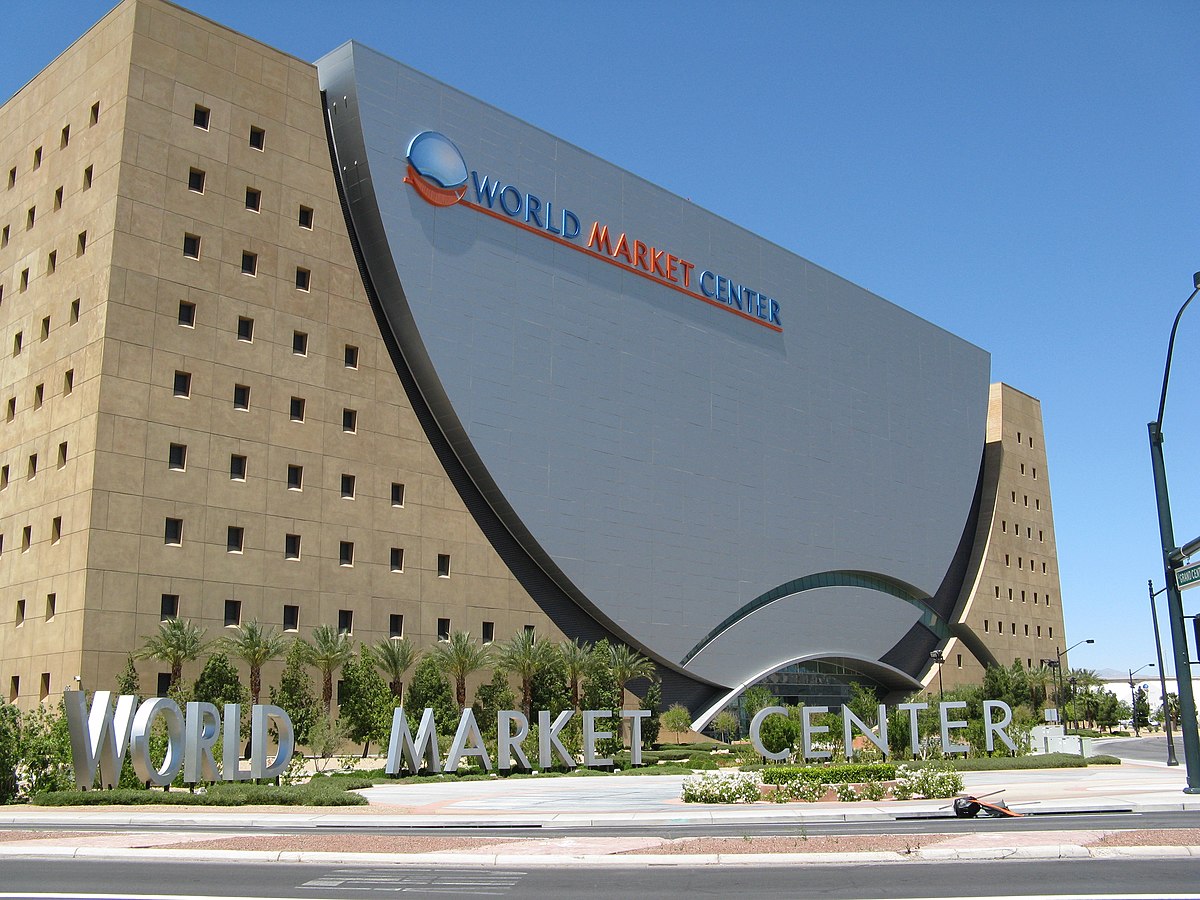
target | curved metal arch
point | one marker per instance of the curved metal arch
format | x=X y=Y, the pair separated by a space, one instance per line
x=870 y=581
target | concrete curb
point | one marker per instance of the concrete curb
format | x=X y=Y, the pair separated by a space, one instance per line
x=516 y=861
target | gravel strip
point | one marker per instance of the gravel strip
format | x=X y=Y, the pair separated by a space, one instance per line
x=33 y=835
x=1150 y=837
x=349 y=843
x=839 y=843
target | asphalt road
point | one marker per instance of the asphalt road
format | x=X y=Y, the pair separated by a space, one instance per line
x=83 y=879
x=1145 y=749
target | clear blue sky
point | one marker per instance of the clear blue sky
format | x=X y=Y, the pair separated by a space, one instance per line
x=1023 y=174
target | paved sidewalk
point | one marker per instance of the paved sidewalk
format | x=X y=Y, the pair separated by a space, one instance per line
x=554 y=804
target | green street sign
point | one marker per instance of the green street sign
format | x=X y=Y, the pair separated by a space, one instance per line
x=1188 y=576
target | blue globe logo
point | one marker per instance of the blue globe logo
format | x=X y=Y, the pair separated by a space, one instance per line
x=436 y=169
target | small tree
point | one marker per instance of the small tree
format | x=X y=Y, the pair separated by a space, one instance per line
x=393 y=657
x=256 y=646
x=726 y=724
x=577 y=662
x=457 y=658
x=677 y=719
x=218 y=683
x=652 y=724
x=295 y=693
x=490 y=698
x=329 y=650
x=428 y=689
x=526 y=656
x=128 y=681
x=10 y=735
x=754 y=699
x=177 y=641
x=628 y=665
x=366 y=707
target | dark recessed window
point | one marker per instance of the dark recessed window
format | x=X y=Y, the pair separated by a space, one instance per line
x=489 y=632
x=196 y=180
x=241 y=396
x=81 y=243
x=92 y=120
x=30 y=217
x=296 y=409
x=348 y=487
x=44 y=689
x=200 y=117
x=37 y=159
x=45 y=333
x=39 y=394
x=56 y=529
x=237 y=467
x=295 y=477
x=4 y=237
x=443 y=565
x=291 y=617
x=20 y=616
x=173 y=531
x=14 y=688
x=249 y=263
x=300 y=343
x=183 y=384
x=397 y=494
x=58 y=197
x=303 y=278
x=233 y=613
x=345 y=621
x=51 y=262
x=346 y=553
x=529 y=630
x=66 y=136
x=350 y=420
x=245 y=328
x=235 y=537
x=397 y=559
x=443 y=633
x=12 y=176
x=24 y=280
x=396 y=625
x=164 y=684
x=306 y=217
x=87 y=178
x=74 y=307
x=291 y=546
x=258 y=137
x=351 y=357
x=63 y=449
x=177 y=457
x=33 y=465
x=168 y=607
x=191 y=246
x=253 y=199
x=26 y=538
x=187 y=314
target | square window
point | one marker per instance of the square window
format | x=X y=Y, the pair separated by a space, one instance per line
x=306 y=217
x=56 y=529
x=443 y=633
x=397 y=494
x=237 y=467
x=191 y=246
x=348 y=487
x=258 y=137
x=295 y=478
x=350 y=420
x=62 y=454
x=291 y=617
x=173 y=531
x=443 y=565
x=87 y=178
x=245 y=328
x=74 y=309
x=168 y=607
x=177 y=457
x=66 y=136
x=300 y=343
x=291 y=546
x=351 y=357
x=241 y=396
x=345 y=621
x=253 y=199
x=196 y=180
x=92 y=120
x=396 y=625
x=529 y=630
x=187 y=314
x=39 y=392
x=303 y=278
x=200 y=117
x=296 y=409
x=346 y=553
x=235 y=536
x=249 y=263
x=397 y=559
x=489 y=632
x=233 y=613
x=164 y=684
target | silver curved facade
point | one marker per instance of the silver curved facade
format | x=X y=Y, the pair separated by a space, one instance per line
x=668 y=462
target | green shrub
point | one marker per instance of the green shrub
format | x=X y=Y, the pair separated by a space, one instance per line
x=701 y=761
x=846 y=792
x=873 y=791
x=234 y=794
x=929 y=781
x=721 y=788
x=834 y=774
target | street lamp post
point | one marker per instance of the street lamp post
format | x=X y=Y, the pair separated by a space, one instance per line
x=1162 y=679
x=1074 y=713
x=938 y=657
x=1058 y=655
x=1166 y=531
x=1133 y=698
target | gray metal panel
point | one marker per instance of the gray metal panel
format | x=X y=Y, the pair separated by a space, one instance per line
x=670 y=459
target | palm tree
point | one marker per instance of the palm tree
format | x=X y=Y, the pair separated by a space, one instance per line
x=577 y=660
x=393 y=657
x=1085 y=680
x=1038 y=679
x=627 y=664
x=526 y=656
x=329 y=650
x=257 y=646
x=457 y=658
x=178 y=641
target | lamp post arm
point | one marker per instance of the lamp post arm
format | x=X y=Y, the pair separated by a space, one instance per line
x=1162 y=401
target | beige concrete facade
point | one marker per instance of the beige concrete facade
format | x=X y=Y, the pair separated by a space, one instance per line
x=133 y=92
x=1013 y=608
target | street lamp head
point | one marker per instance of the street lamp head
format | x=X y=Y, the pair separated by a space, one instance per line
x=1090 y=641
x=1196 y=281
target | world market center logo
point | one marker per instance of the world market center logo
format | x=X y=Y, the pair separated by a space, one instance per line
x=438 y=173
